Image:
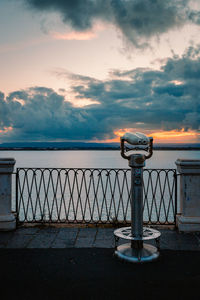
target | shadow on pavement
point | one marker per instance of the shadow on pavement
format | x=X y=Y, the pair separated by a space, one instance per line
x=94 y=273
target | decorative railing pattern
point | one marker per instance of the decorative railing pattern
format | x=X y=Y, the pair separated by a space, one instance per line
x=92 y=195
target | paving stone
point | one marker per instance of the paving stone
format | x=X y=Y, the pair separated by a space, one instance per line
x=197 y=235
x=4 y=238
x=104 y=243
x=19 y=241
x=57 y=244
x=105 y=233
x=104 y=238
x=42 y=239
x=27 y=230
x=168 y=240
x=49 y=229
x=187 y=241
x=69 y=233
x=65 y=238
x=85 y=237
x=173 y=240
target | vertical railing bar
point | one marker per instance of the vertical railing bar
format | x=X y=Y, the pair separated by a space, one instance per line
x=37 y=194
x=146 y=190
x=85 y=197
x=29 y=194
x=104 y=194
x=129 y=193
x=46 y=188
x=76 y=184
x=154 y=196
x=16 y=196
x=62 y=196
x=21 y=188
x=96 y=192
x=149 y=189
x=101 y=185
x=79 y=187
x=92 y=188
x=170 y=196
x=121 y=188
x=56 y=193
x=71 y=190
x=57 y=196
x=175 y=213
x=87 y=191
x=152 y=190
x=119 y=192
x=50 y=180
x=162 y=192
x=88 y=194
x=174 y=195
x=113 y=193
x=66 y=187
x=79 y=194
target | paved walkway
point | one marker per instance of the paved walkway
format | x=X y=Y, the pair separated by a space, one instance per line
x=79 y=263
x=71 y=237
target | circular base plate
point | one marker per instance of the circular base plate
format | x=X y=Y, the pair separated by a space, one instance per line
x=145 y=254
x=126 y=233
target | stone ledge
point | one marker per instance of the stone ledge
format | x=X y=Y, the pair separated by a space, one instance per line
x=188 y=224
x=8 y=226
x=188 y=166
x=7 y=165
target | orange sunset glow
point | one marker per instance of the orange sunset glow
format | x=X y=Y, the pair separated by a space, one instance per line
x=6 y=129
x=175 y=136
x=161 y=136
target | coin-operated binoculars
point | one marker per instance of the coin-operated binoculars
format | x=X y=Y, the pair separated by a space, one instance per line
x=136 y=251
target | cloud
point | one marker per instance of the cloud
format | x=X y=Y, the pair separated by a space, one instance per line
x=167 y=99
x=137 y=20
x=78 y=36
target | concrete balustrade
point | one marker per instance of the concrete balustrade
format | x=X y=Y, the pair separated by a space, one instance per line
x=189 y=218
x=7 y=218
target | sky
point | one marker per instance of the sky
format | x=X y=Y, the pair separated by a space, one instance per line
x=73 y=70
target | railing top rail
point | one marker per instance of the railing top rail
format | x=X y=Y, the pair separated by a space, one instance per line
x=92 y=169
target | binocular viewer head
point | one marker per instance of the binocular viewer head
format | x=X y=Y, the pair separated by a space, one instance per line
x=139 y=141
x=137 y=138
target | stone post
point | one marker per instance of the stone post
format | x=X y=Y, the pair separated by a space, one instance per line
x=7 y=218
x=189 y=218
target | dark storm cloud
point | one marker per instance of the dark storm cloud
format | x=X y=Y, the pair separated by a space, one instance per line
x=134 y=18
x=4 y=113
x=167 y=99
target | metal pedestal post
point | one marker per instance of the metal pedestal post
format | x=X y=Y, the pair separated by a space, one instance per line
x=137 y=251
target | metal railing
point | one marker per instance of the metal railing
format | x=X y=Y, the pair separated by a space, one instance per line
x=93 y=195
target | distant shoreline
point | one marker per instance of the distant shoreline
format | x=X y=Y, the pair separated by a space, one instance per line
x=95 y=149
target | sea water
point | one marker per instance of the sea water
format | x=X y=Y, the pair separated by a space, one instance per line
x=93 y=158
